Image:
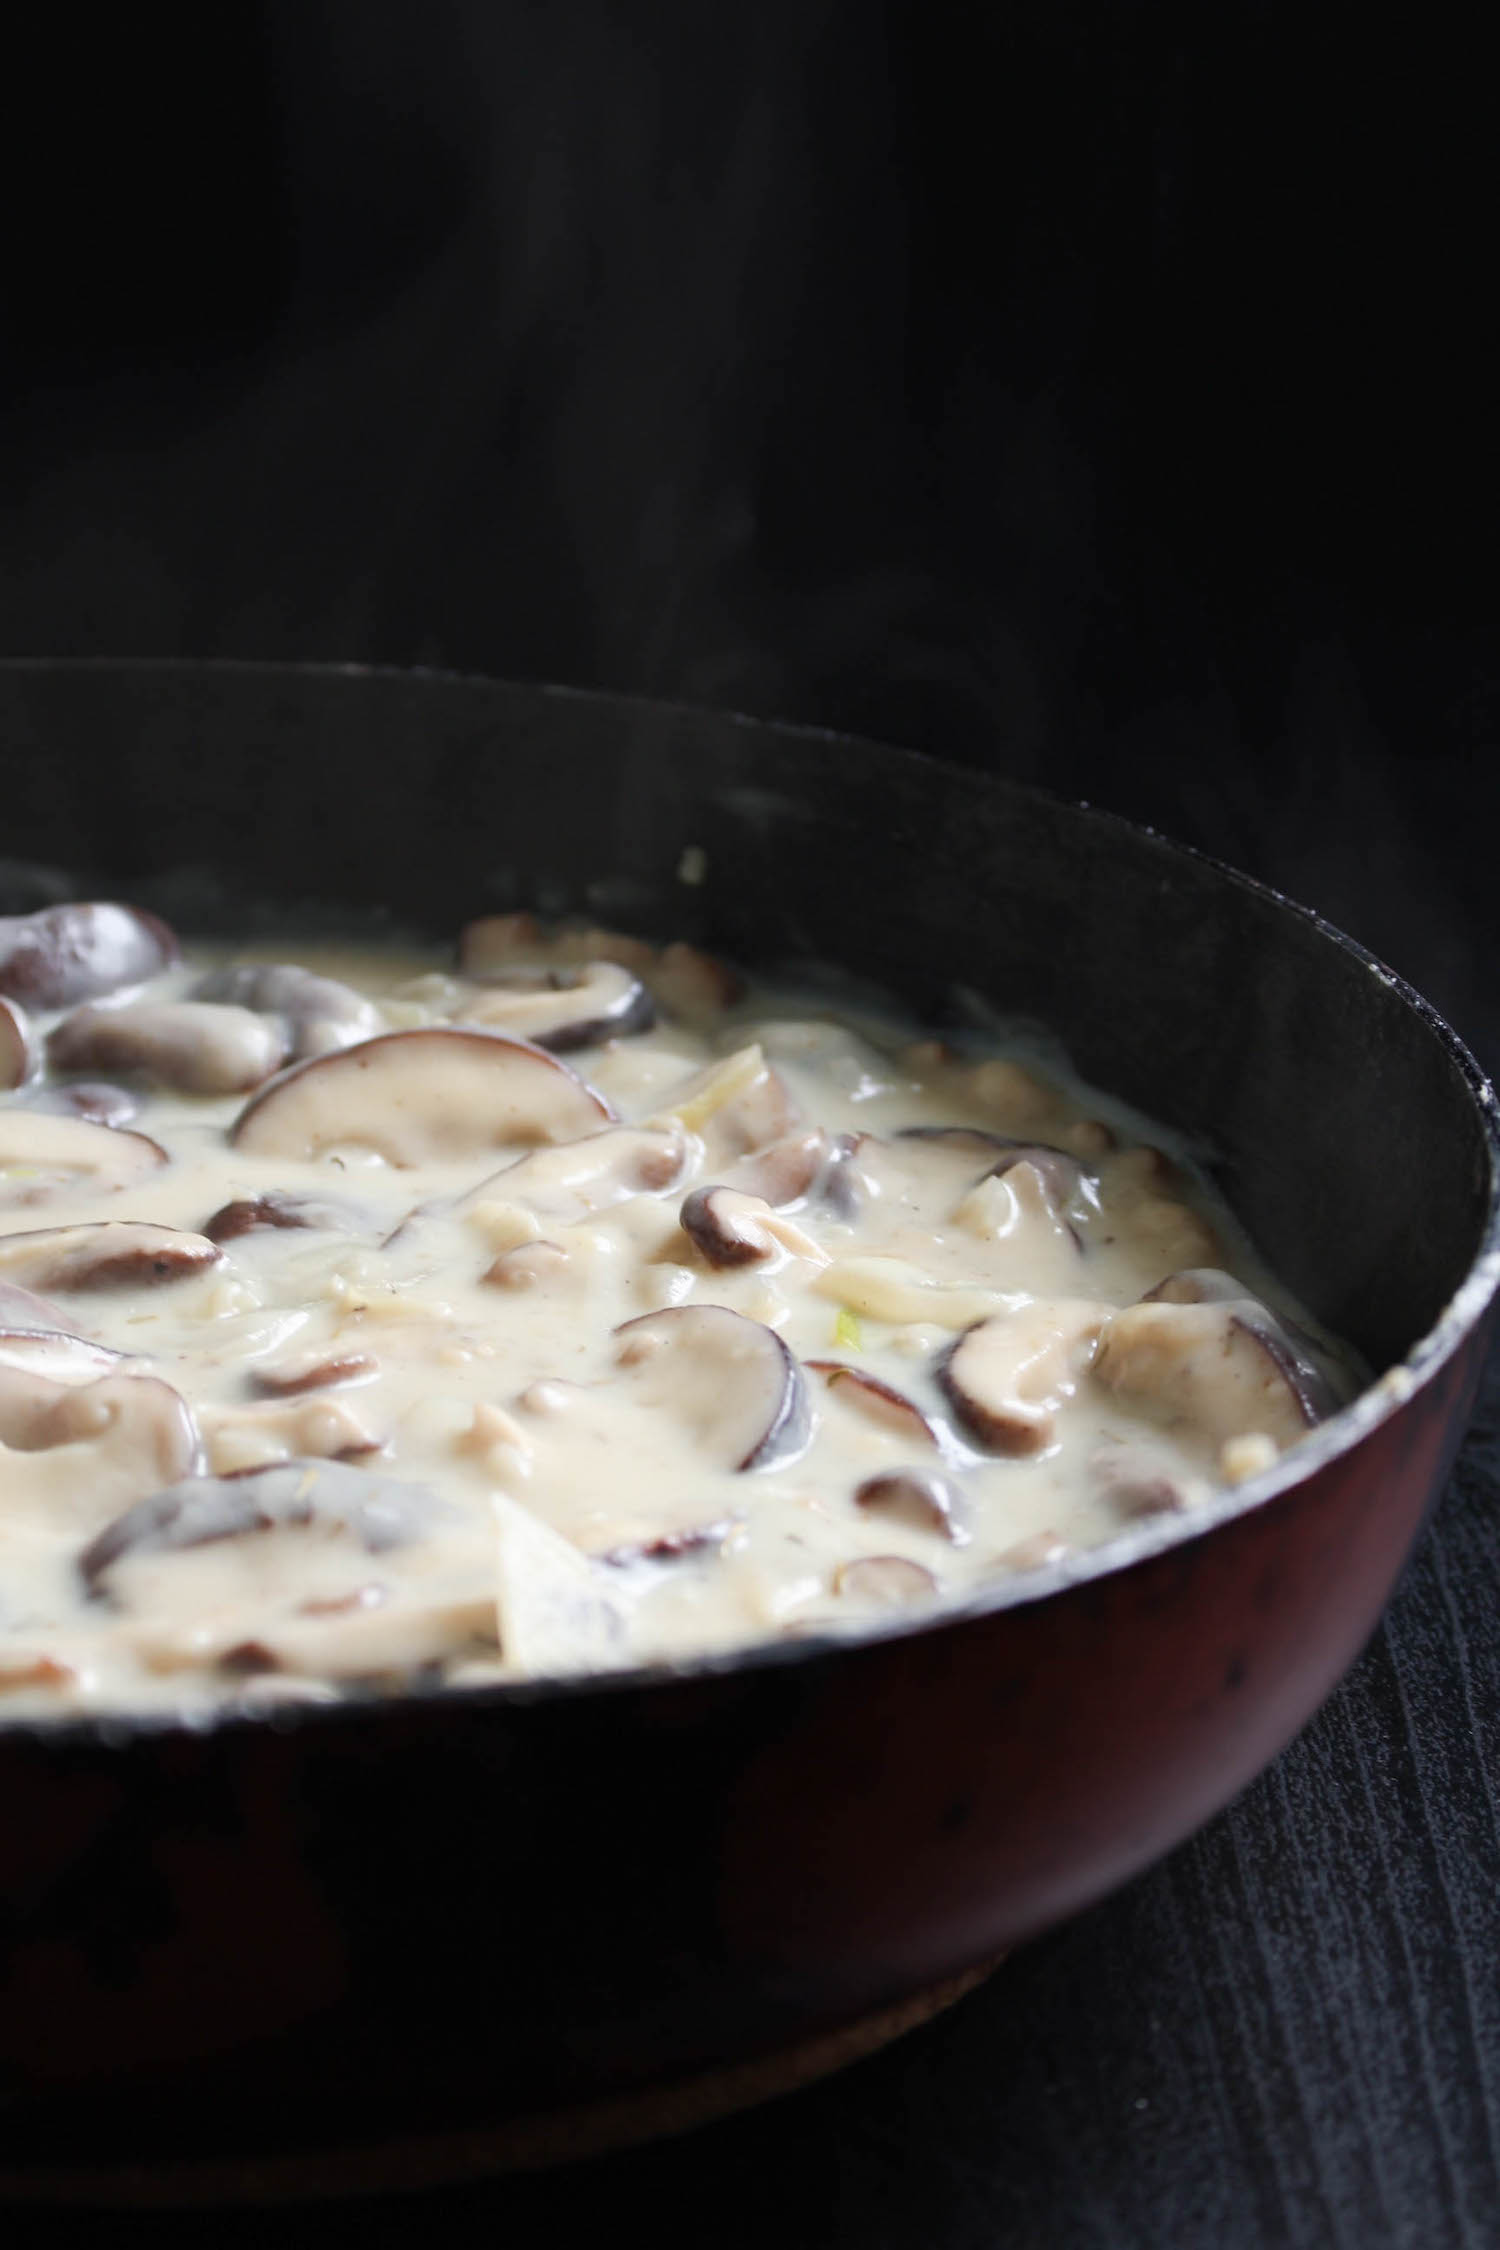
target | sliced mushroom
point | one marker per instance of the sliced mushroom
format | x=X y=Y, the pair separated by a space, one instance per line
x=272 y=1571
x=1216 y=1366
x=277 y=1210
x=1197 y=1285
x=319 y=1014
x=1036 y=1551
x=671 y=1546
x=1288 y=1344
x=191 y=1046
x=877 y=1402
x=94 y=1102
x=730 y=1381
x=844 y=1188
x=1138 y=1482
x=105 y=1254
x=1148 y=1169
x=55 y=1354
x=723 y=1226
x=885 y=1581
x=693 y=985
x=42 y=1157
x=22 y=1309
x=377 y=1512
x=786 y=1172
x=73 y=1453
x=565 y=1008
x=241 y=1438
x=1008 y=1378
x=420 y=1097
x=527 y=1265
x=16 y=1045
x=730 y=1229
x=1069 y=1186
x=918 y=1497
x=315 y=1370
x=1012 y=1093
x=967 y=1140
x=501 y=941
x=1025 y=1207
x=80 y=951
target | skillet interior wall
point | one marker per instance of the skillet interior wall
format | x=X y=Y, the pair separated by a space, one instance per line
x=1099 y=393
x=239 y=787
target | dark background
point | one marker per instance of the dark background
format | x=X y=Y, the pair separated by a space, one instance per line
x=1098 y=391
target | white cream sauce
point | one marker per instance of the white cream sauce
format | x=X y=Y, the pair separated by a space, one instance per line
x=940 y=1372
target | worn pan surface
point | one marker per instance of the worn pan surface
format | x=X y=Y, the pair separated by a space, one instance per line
x=457 y=1913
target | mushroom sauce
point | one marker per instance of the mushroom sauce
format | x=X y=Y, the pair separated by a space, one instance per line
x=363 y=1322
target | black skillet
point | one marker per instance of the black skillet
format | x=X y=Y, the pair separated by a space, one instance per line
x=363 y=1942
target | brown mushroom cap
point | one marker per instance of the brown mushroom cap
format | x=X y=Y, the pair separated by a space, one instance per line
x=887 y=1581
x=105 y=1254
x=56 y=1354
x=730 y=1380
x=918 y=1497
x=786 y=1172
x=670 y=1546
x=378 y=1512
x=44 y=1156
x=501 y=941
x=1217 y=1366
x=528 y=1265
x=1007 y=1377
x=278 y=1210
x=563 y=1009
x=877 y=1401
x=191 y=1046
x=421 y=1096
x=314 y=1370
x=16 y=1045
x=319 y=1014
x=21 y=1309
x=92 y=1100
x=79 y=951
x=1069 y=1187
x=73 y=1452
x=1197 y=1285
x=1291 y=1347
x=299 y=1426
x=724 y=1226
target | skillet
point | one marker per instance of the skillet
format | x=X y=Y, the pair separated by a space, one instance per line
x=472 y=1922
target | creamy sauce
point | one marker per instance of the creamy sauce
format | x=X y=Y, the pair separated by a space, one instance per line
x=382 y=1413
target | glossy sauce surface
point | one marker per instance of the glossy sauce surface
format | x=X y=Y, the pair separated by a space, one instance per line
x=574 y=1309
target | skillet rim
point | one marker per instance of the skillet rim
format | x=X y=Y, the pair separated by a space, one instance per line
x=1388 y=1395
